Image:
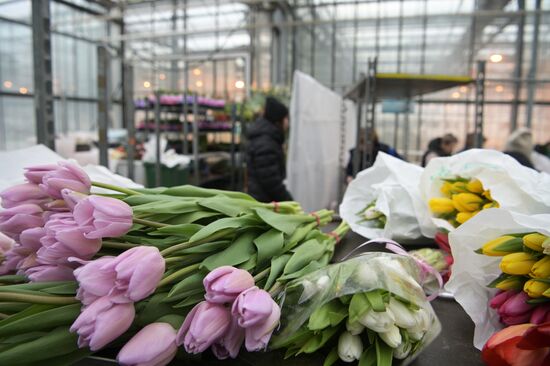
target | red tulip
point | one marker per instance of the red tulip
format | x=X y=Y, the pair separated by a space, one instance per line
x=502 y=349
x=442 y=239
x=536 y=337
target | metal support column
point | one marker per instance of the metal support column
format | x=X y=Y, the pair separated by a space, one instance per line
x=395 y=130
x=422 y=71
x=104 y=102
x=128 y=109
x=359 y=110
x=157 y=140
x=312 y=36
x=233 y=156
x=480 y=101
x=42 y=62
x=196 y=138
x=333 y=48
x=518 y=66
x=370 y=104
x=406 y=131
x=355 y=34
x=185 y=112
x=531 y=78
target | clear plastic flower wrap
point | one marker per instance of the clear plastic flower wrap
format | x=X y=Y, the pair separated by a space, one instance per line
x=329 y=307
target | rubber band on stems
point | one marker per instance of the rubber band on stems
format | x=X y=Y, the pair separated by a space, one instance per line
x=275 y=206
x=317 y=218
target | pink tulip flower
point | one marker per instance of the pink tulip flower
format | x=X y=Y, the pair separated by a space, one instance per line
x=501 y=297
x=224 y=284
x=102 y=322
x=129 y=277
x=230 y=343
x=34 y=174
x=19 y=218
x=252 y=306
x=101 y=217
x=203 y=326
x=516 y=310
x=6 y=243
x=541 y=314
x=66 y=175
x=65 y=239
x=47 y=273
x=154 y=345
x=23 y=193
x=258 y=335
x=71 y=198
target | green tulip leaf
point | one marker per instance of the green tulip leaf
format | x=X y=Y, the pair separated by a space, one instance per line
x=44 y=320
x=65 y=360
x=329 y=314
x=332 y=357
x=58 y=342
x=194 y=191
x=358 y=307
x=269 y=244
x=172 y=206
x=214 y=246
x=277 y=266
x=34 y=309
x=191 y=217
x=368 y=357
x=310 y=267
x=237 y=253
x=297 y=338
x=174 y=320
x=376 y=300
x=151 y=309
x=283 y=222
x=384 y=353
x=307 y=252
x=318 y=340
x=190 y=300
x=69 y=288
x=229 y=206
x=228 y=224
x=181 y=230
x=249 y=265
x=190 y=283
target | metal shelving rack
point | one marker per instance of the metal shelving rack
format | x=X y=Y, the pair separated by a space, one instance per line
x=375 y=86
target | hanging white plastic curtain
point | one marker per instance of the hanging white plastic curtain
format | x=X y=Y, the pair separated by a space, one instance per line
x=321 y=134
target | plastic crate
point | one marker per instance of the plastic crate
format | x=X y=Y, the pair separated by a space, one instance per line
x=169 y=177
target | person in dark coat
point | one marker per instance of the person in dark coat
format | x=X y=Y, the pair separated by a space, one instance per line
x=520 y=146
x=440 y=146
x=265 y=156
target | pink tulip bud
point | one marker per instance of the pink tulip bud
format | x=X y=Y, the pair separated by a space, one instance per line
x=11 y=261
x=71 y=198
x=204 y=325
x=500 y=298
x=16 y=219
x=101 y=217
x=516 y=305
x=30 y=238
x=541 y=314
x=258 y=335
x=132 y=276
x=34 y=174
x=230 y=343
x=154 y=345
x=23 y=193
x=6 y=243
x=252 y=306
x=225 y=283
x=47 y=273
x=102 y=322
x=66 y=175
x=65 y=239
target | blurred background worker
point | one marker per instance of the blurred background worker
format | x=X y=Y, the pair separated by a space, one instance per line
x=265 y=154
x=440 y=146
x=471 y=142
x=520 y=146
x=378 y=146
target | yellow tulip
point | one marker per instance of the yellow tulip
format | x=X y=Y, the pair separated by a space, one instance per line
x=474 y=186
x=458 y=187
x=541 y=269
x=534 y=241
x=446 y=188
x=546 y=293
x=467 y=202
x=462 y=217
x=517 y=263
x=487 y=194
x=491 y=205
x=501 y=246
x=535 y=288
x=441 y=205
x=510 y=283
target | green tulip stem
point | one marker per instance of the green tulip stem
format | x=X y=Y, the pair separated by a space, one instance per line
x=144 y=222
x=111 y=187
x=262 y=274
x=37 y=299
x=3 y=316
x=178 y=274
x=191 y=244
x=275 y=289
x=117 y=245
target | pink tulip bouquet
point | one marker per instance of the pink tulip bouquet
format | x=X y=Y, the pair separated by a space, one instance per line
x=151 y=272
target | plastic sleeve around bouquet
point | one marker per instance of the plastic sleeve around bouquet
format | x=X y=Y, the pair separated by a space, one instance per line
x=394 y=273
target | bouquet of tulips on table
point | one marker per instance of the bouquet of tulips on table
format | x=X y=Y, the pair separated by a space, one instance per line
x=368 y=309
x=523 y=300
x=84 y=271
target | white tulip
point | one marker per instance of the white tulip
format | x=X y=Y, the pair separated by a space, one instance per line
x=392 y=337
x=350 y=347
x=416 y=336
x=378 y=321
x=404 y=317
x=372 y=213
x=366 y=276
x=423 y=321
x=354 y=328
x=309 y=291
x=402 y=351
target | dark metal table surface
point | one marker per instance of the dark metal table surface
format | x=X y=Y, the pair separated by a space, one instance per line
x=453 y=347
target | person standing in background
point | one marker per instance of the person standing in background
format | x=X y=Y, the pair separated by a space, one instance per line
x=520 y=146
x=265 y=157
x=440 y=146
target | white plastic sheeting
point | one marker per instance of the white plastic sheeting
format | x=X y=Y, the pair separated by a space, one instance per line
x=315 y=140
